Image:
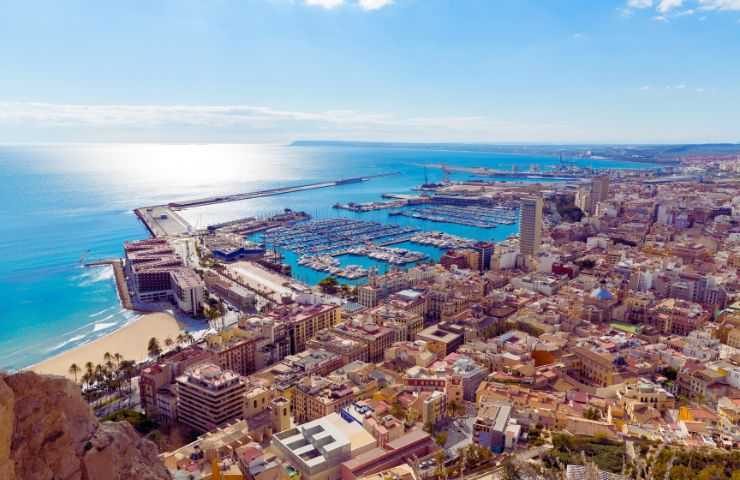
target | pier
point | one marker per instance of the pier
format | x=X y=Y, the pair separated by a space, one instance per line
x=272 y=192
x=164 y=221
x=121 y=286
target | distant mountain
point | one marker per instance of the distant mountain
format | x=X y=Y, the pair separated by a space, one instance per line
x=668 y=154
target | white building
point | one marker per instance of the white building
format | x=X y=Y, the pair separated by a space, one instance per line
x=317 y=449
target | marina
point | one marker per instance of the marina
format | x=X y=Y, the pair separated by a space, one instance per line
x=442 y=240
x=320 y=242
x=474 y=216
x=330 y=235
x=370 y=206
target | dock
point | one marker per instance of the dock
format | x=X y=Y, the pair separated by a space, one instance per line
x=162 y=221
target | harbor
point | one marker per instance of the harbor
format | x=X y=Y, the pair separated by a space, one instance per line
x=481 y=217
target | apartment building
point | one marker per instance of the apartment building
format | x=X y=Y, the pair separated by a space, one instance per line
x=348 y=349
x=156 y=378
x=209 y=397
x=590 y=367
x=234 y=349
x=377 y=337
x=315 y=397
x=442 y=339
x=305 y=321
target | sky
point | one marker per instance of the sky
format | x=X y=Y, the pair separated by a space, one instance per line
x=493 y=71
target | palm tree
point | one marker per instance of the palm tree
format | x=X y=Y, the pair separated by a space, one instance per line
x=107 y=357
x=168 y=342
x=75 y=370
x=118 y=358
x=89 y=368
x=180 y=338
x=189 y=338
x=153 y=348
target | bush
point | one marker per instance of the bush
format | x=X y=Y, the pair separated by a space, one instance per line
x=139 y=421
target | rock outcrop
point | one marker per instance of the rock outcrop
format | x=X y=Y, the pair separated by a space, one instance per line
x=47 y=432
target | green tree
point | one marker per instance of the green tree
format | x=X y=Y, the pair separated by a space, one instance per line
x=592 y=414
x=118 y=358
x=329 y=285
x=712 y=472
x=153 y=348
x=441 y=438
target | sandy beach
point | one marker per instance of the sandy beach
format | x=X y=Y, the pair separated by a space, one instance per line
x=130 y=341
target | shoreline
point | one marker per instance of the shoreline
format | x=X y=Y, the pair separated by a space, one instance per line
x=130 y=341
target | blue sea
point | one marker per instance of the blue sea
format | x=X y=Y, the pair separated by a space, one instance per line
x=62 y=204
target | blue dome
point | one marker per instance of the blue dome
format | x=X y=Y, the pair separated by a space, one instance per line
x=602 y=294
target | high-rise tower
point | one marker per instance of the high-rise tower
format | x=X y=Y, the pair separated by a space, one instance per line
x=530 y=225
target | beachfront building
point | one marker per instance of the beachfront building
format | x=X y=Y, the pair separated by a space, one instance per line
x=530 y=225
x=209 y=397
x=188 y=290
x=157 y=274
x=155 y=379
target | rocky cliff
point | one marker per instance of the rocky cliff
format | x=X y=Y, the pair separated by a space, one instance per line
x=47 y=432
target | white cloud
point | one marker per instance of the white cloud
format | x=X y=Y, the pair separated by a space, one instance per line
x=240 y=121
x=373 y=4
x=327 y=4
x=699 y=90
x=720 y=4
x=645 y=88
x=666 y=6
x=367 y=5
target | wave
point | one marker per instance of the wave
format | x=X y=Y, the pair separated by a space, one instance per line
x=97 y=314
x=104 y=326
x=96 y=275
x=76 y=338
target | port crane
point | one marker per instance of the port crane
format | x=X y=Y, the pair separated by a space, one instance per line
x=446 y=171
